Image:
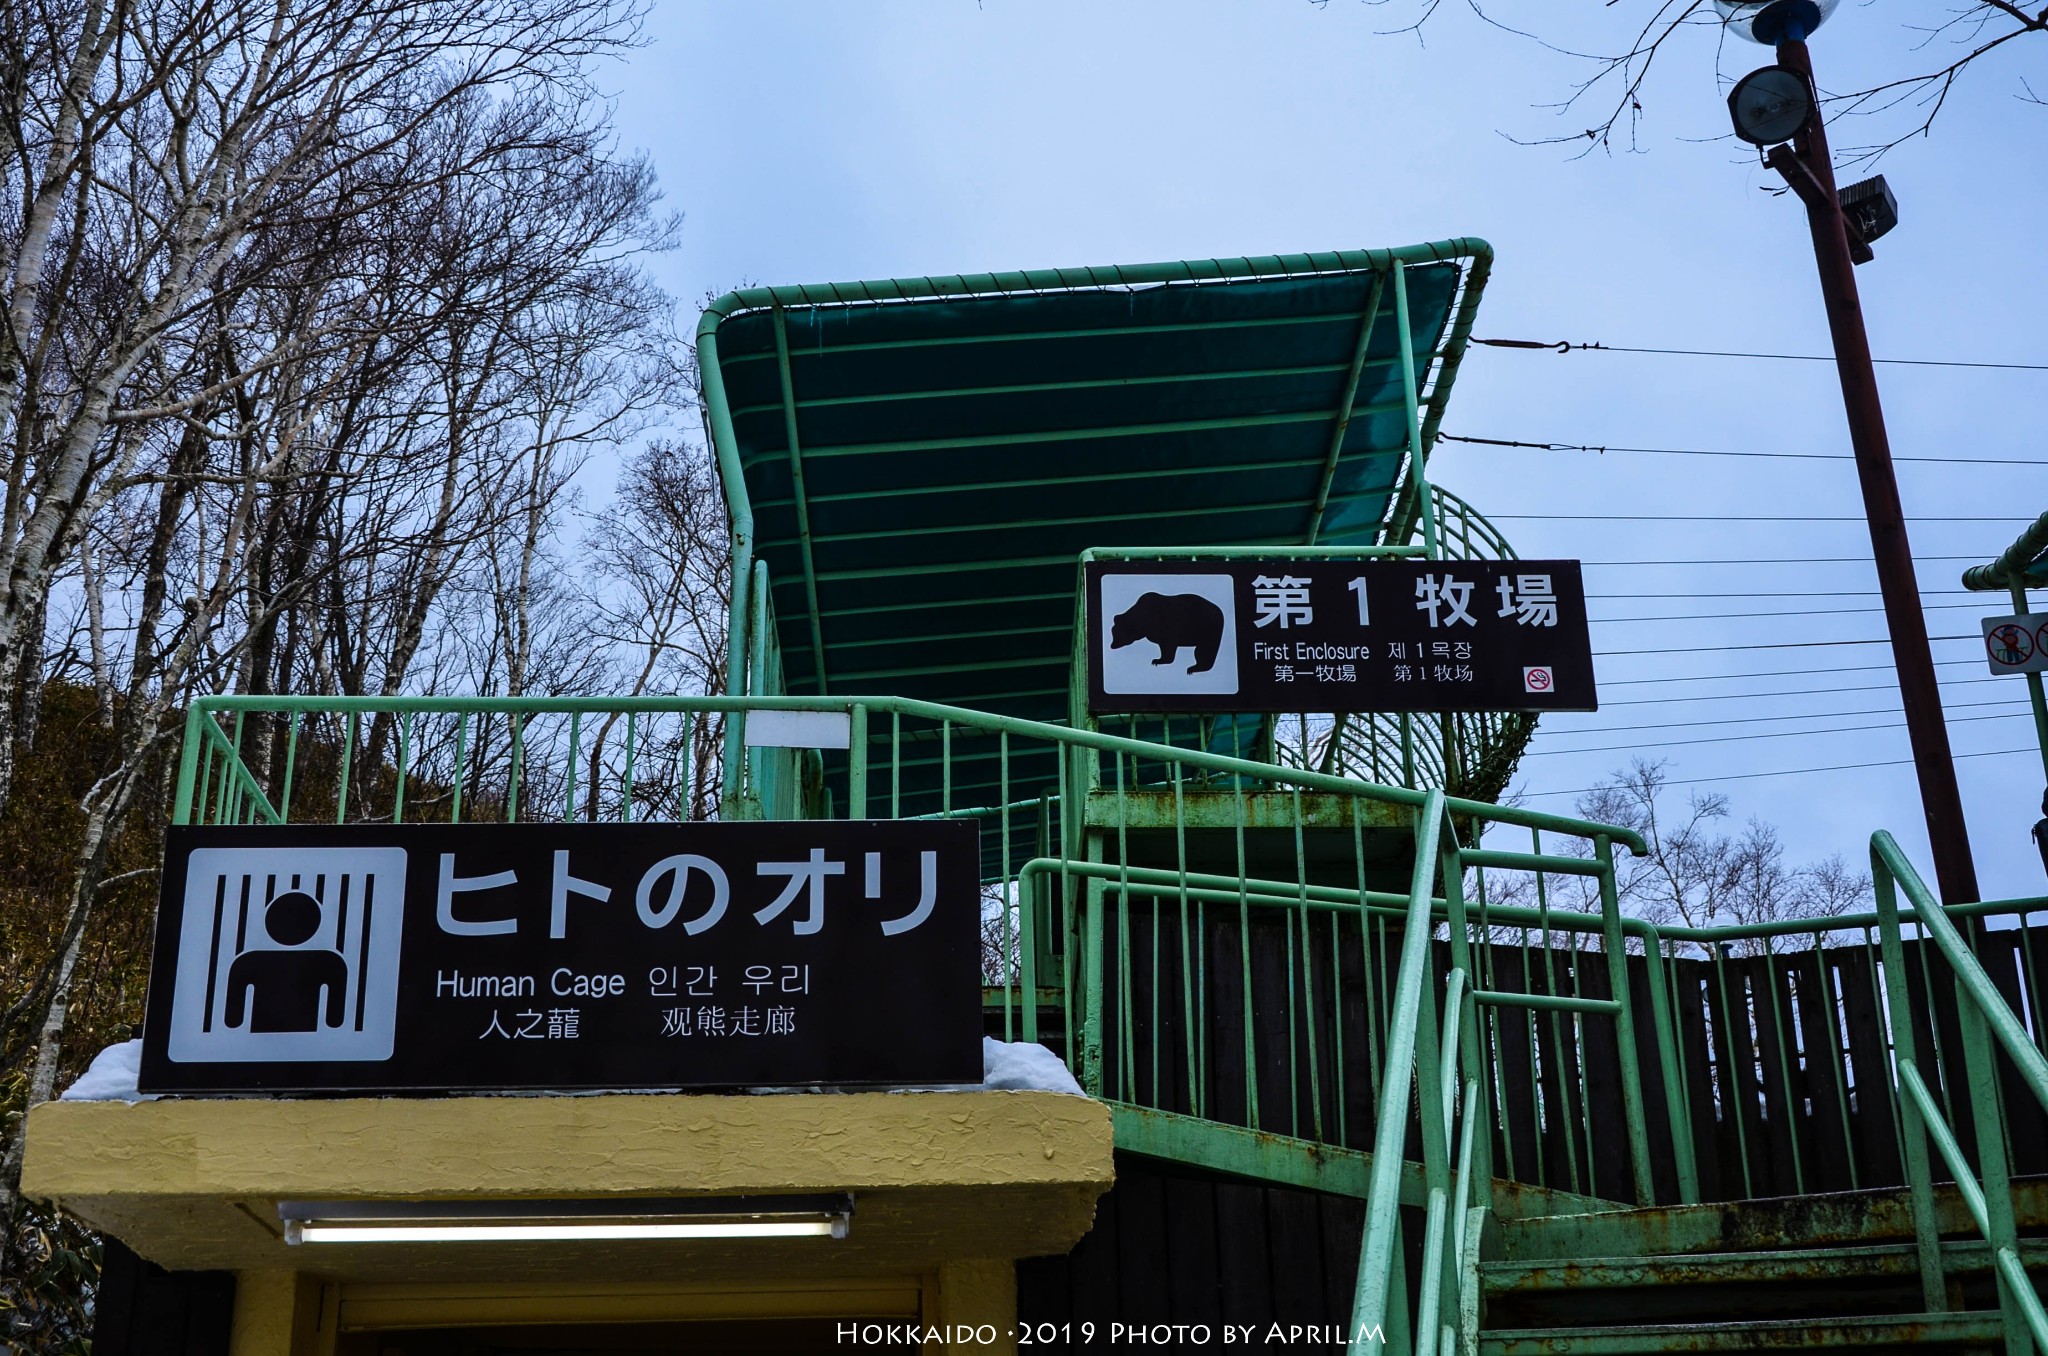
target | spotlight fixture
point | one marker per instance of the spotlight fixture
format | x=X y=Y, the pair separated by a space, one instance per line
x=1870 y=207
x=1771 y=104
x=565 y=1221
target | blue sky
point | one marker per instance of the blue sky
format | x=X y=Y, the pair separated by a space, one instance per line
x=818 y=141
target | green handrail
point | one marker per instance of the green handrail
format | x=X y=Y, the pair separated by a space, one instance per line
x=1436 y=1060
x=1983 y=1017
x=1089 y=740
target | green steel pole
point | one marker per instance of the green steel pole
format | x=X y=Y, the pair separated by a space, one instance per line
x=2034 y=694
x=1919 y=1178
x=2025 y=562
x=1342 y=423
x=725 y=448
x=1418 y=478
x=1624 y=1021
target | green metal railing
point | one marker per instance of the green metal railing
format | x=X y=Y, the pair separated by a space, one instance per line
x=1766 y=1030
x=1442 y=1057
x=1143 y=893
x=1989 y=1027
x=1133 y=886
x=1438 y=1068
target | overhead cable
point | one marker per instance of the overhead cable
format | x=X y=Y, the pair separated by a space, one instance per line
x=1773 y=673
x=1749 y=518
x=1762 y=593
x=1725 y=452
x=1779 y=645
x=1978 y=605
x=1553 y=733
x=1783 y=692
x=1776 y=560
x=1567 y=346
x=1774 y=734
x=1780 y=672
x=1790 y=772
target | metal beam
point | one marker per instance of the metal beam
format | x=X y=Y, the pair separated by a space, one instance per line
x=1069 y=435
x=1030 y=387
x=1418 y=478
x=1100 y=276
x=803 y=512
x=1345 y=400
x=1103 y=477
x=1018 y=336
x=2022 y=564
x=1006 y=524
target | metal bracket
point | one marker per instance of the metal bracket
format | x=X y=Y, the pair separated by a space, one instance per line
x=1800 y=177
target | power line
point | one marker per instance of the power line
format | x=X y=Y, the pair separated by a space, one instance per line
x=1773 y=593
x=1603 y=448
x=1783 y=692
x=1747 y=518
x=1779 y=645
x=1759 y=720
x=1792 y=771
x=1795 y=612
x=1777 y=560
x=1566 y=346
x=1737 y=739
x=1774 y=673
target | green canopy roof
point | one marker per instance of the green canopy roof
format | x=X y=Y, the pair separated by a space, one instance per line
x=919 y=462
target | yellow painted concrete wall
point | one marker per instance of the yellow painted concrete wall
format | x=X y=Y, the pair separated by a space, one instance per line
x=971 y=1303
x=195 y=1184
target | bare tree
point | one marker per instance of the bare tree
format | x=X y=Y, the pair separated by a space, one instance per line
x=150 y=150
x=664 y=558
x=262 y=269
x=1695 y=875
x=1619 y=47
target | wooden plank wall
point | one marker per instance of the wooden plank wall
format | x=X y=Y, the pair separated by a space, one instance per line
x=1786 y=1063
x=1775 y=1052
x=1174 y=1245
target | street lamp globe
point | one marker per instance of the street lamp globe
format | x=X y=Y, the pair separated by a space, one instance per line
x=1771 y=22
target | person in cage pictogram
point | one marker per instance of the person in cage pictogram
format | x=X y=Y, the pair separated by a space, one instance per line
x=290 y=987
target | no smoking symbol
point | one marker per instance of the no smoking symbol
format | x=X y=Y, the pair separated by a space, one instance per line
x=2009 y=644
x=1536 y=680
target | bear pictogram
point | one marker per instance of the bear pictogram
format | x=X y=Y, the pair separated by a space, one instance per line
x=1173 y=622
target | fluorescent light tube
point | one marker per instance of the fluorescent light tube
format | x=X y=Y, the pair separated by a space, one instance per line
x=546 y=1221
x=313 y=1231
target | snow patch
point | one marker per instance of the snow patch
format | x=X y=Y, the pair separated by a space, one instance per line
x=1020 y=1066
x=1006 y=1066
x=111 y=1078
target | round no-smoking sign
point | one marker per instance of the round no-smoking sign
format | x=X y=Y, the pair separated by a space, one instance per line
x=1537 y=679
x=2009 y=644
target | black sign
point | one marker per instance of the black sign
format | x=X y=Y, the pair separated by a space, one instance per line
x=431 y=957
x=1325 y=635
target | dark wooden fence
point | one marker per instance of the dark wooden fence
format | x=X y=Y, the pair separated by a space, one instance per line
x=1783 y=1057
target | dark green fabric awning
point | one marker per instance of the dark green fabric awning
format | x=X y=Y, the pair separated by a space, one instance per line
x=922 y=461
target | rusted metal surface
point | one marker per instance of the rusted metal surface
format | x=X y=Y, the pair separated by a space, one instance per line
x=1761 y=1268
x=1947 y=1332
x=1831 y=1219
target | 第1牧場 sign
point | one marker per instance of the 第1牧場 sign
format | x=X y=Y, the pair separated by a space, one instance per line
x=486 y=956
x=1331 y=635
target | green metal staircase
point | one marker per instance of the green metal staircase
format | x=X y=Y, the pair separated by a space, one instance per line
x=1276 y=947
x=1797 y=1273
x=1528 y=1148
